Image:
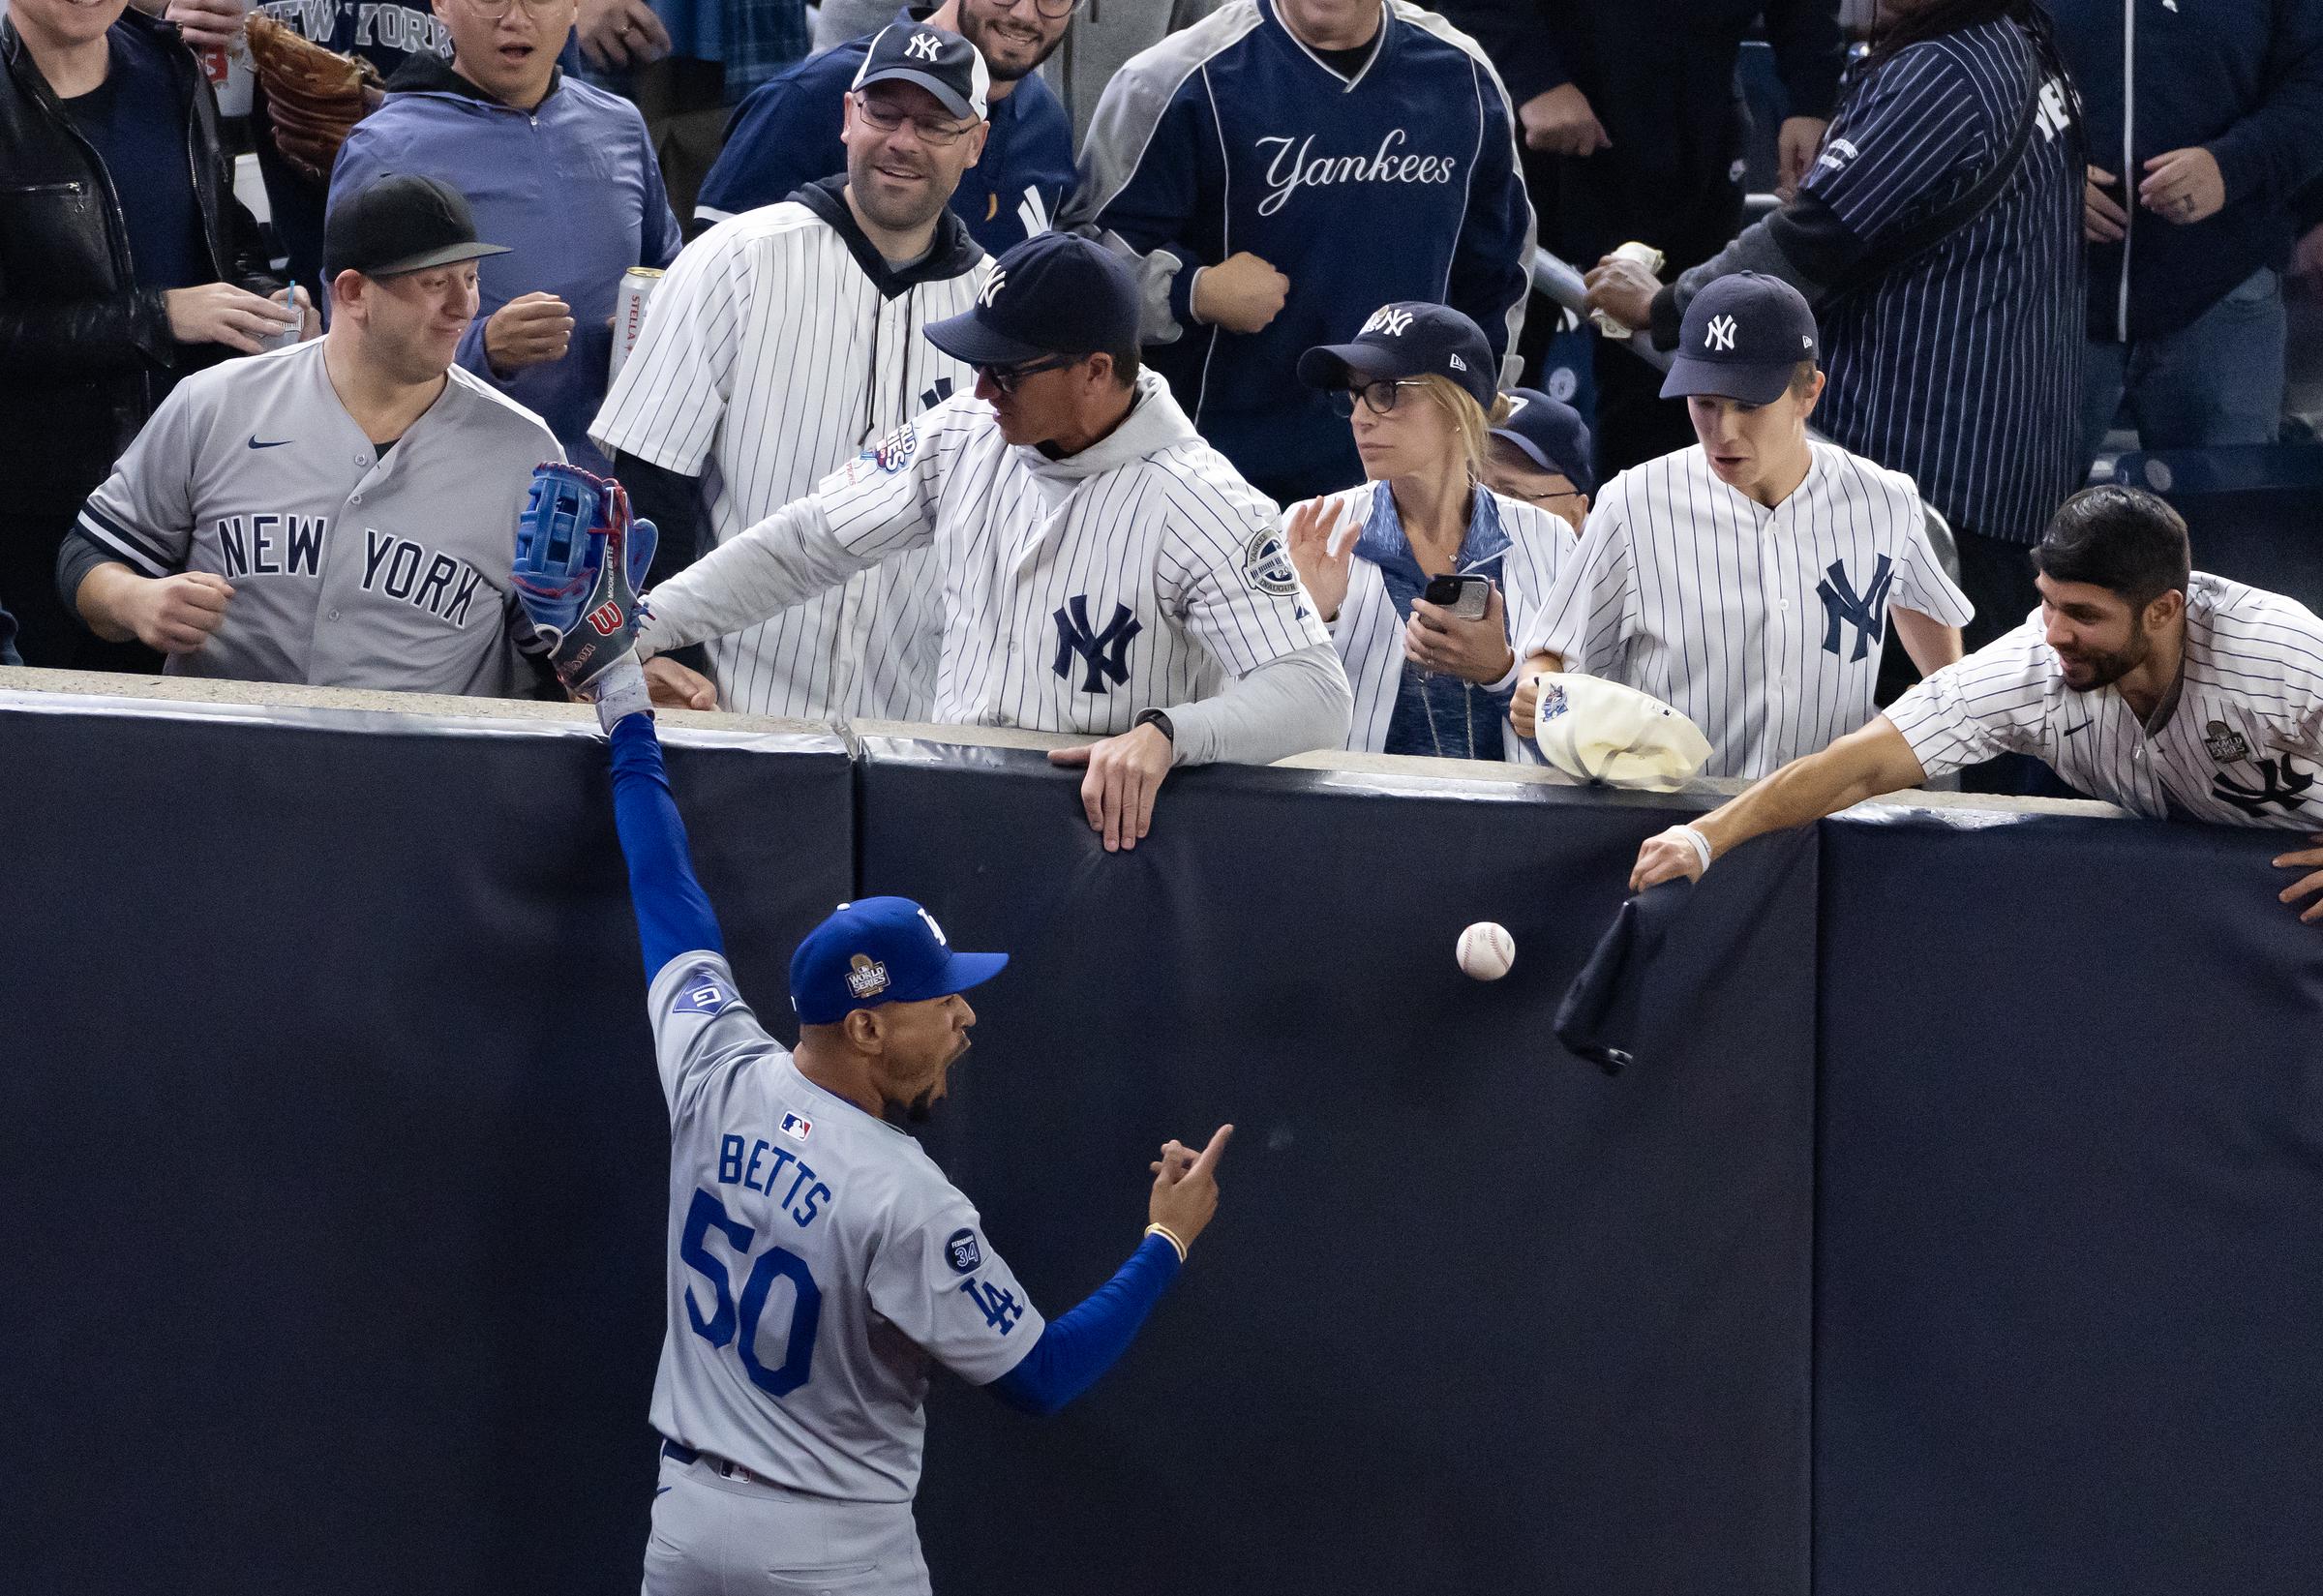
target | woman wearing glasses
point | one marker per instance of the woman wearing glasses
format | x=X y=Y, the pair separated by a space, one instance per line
x=1432 y=676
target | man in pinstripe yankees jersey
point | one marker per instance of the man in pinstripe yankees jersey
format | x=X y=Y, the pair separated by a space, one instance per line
x=2168 y=691
x=1104 y=570
x=1749 y=581
x=786 y=339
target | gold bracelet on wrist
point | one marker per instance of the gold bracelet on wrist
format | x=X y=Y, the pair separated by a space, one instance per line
x=1170 y=1236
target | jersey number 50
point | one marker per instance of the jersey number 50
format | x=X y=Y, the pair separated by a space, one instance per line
x=720 y=1327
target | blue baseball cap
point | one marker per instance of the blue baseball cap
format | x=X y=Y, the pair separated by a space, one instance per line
x=943 y=62
x=877 y=950
x=1742 y=337
x=1551 y=434
x=1409 y=338
x=1055 y=294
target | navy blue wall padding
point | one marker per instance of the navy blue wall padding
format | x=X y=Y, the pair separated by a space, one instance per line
x=2070 y=1306
x=334 y=1168
x=1473 y=1317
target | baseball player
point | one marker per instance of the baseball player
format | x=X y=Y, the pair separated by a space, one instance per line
x=1939 y=234
x=787 y=339
x=819 y=1261
x=2174 y=693
x=1105 y=571
x=1417 y=385
x=1749 y=581
x=336 y=513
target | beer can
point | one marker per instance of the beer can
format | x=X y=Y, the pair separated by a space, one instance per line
x=228 y=69
x=638 y=283
x=1646 y=255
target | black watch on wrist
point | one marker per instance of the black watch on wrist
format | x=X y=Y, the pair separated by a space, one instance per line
x=1159 y=718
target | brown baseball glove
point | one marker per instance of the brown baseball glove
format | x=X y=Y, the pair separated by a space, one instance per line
x=313 y=95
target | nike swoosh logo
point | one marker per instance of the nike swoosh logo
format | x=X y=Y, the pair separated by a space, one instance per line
x=2076 y=731
x=276 y=445
x=663 y=1492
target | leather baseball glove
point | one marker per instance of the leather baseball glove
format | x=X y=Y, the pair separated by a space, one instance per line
x=313 y=95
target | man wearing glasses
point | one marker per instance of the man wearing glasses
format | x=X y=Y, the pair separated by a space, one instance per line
x=785 y=132
x=785 y=340
x=1105 y=571
x=1539 y=455
x=559 y=170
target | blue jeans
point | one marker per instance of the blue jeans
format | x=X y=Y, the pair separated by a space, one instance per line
x=2217 y=381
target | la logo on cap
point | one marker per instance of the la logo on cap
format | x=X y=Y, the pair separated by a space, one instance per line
x=866 y=976
x=1386 y=320
x=924 y=47
x=991 y=288
x=1721 y=333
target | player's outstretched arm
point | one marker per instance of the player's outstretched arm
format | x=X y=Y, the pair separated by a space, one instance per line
x=1861 y=765
x=1074 y=1350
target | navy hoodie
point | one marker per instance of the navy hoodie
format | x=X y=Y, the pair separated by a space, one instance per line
x=2242 y=78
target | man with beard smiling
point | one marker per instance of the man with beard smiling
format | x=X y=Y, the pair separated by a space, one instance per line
x=2174 y=693
x=787 y=339
x=786 y=132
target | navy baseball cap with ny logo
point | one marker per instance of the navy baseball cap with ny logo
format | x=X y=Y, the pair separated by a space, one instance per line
x=941 y=62
x=1743 y=337
x=877 y=950
x=1056 y=293
x=1409 y=338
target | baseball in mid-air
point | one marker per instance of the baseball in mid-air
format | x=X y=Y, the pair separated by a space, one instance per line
x=1485 y=951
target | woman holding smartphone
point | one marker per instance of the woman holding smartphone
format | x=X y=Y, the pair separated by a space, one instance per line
x=1420 y=571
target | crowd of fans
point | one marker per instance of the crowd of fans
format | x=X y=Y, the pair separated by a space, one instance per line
x=2015 y=229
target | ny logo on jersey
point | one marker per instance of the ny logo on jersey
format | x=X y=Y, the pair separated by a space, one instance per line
x=1841 y=608
x=1386 y=320
x=1107 y=653
x=924 y=47
x=937 y=394
x=1720 y=334
x=991 y=288
x=2286 y=787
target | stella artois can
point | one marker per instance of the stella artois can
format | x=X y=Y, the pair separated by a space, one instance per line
x=638 y=283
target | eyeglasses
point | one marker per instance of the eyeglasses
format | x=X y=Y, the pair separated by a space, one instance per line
x=1378 y=398
x=1007 y=378
x=496 y=9
x=1056 y=10
x=887 y=120
x=1544 y=498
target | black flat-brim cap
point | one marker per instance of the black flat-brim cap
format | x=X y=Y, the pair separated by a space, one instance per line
x=402 y=223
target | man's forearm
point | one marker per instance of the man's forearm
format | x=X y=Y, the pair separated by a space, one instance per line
x=98 y=593
x=1931 y=644
x=1290 y=706
x=1862 y=765
x=785 y=559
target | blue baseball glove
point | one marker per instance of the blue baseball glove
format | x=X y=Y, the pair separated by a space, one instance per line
x=578 y=560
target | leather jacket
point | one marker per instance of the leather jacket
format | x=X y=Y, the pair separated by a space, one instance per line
x=85 y=350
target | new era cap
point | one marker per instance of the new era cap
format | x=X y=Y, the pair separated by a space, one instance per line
x=1055 y=294
x=401 y=223
x=1409 y=338
x=943 y=62
x=1742 y=338
x=1549 y=433
x=1595 y=730
x=877 y=950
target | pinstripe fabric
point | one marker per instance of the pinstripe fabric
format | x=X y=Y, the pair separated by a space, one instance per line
x=1368 y=634
x=1962 y=368
x=2241 y=740
x=766 y=359
x=1146 y=552
x=1738 y=616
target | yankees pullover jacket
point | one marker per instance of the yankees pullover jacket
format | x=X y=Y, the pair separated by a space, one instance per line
x=1397 y=180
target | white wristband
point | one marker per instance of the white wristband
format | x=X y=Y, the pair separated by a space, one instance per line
x=1702 y=844
x=620 y=690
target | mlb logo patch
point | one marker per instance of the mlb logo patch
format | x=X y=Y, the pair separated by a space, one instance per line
x=966 y=1256
x=702 y=993
x=797 y=1128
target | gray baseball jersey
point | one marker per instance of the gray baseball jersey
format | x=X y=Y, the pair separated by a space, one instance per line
x=351 y=567
x=2239 y=740
x=769 y=356
x=1762 y=627
x=818 y=1260
x=1140 y=572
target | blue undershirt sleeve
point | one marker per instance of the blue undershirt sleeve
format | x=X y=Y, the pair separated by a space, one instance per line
x=1075 y=1350
x=673 y=915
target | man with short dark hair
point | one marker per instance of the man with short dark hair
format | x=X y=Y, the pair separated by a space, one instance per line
x=1105 y=571
x=2174 y=693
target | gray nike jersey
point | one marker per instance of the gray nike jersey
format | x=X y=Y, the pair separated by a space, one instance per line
x=818 y=1260
x=349 y=569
